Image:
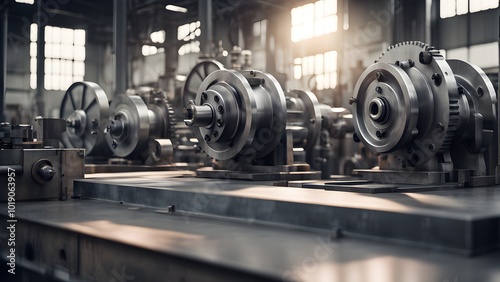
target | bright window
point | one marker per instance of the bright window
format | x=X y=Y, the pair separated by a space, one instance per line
x=64 y=57
x=189 y=32
x=482 y=5
x=451 y=8
x=314 y=19
x=322 y=66
x=156 y=37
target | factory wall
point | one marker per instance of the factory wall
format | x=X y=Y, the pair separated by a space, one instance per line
x=20 y=98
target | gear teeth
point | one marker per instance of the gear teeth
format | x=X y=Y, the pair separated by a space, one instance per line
x=454 y=116
x=453 y=123
x=171 y=119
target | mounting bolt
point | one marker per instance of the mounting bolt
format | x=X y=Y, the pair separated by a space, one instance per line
x=171 y=209
x=425 y=57
x=95 y=122
x=437 y=79
x=440 y=127
x=379 y=134
x=204 y=96
x=313 y=121
x=379 y=75
x=207 y=138
x=93 y=132
x=114 y=144
x=352 y=100
x=480 y=91
x=230 y=142
x=216 y=133
x=355 y=138
x=220 y=109
x=216 y=98
x=220 y=122
x=378 y=89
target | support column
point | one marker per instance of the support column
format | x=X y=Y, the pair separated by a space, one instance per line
x=40 y=63
x=120 y=46
x=205 y=16
x=167 y=81
x=497 y=172
x=3 y=61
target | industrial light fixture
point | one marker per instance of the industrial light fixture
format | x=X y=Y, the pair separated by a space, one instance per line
x=178 y=9
x=26 y=1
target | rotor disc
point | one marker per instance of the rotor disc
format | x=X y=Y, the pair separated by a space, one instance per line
x=195 y=78
x=85 y=107
x=386 y=108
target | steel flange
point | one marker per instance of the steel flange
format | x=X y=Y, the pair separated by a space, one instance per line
x=128 y=128
x=238 y=114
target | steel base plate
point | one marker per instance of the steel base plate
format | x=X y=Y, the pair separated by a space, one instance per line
x=465 y=221
x=208 y=172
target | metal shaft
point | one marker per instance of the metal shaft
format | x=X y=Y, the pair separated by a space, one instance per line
x=202 y=115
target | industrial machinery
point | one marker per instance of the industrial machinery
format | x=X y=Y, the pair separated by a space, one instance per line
x=34 y=164
x=133 y=129
x=245 y=122
x=429 y=120
x=139 y=125
x=320 y=135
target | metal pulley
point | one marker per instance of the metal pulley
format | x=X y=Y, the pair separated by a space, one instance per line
x=238 y=114
x=85 y=108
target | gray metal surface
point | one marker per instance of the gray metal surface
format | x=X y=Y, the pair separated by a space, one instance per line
x=129 y=125
x=30 y=183
x=303 y=115
x=464 y=221
x=101 y=240
x=288 y=173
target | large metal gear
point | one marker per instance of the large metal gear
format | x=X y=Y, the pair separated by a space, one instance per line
x=412 y=105
x=85 y=107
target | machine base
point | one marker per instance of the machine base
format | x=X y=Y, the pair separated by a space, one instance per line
x=262 y=175
x=465 y=221
x=462 y=177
